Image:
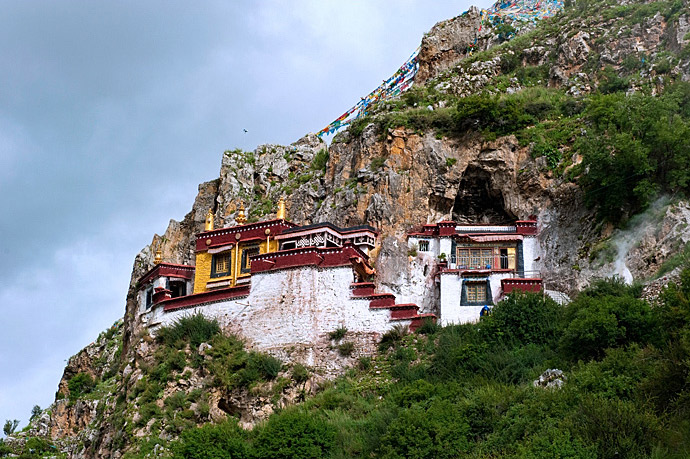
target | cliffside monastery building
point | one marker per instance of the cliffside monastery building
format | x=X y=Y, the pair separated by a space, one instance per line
x=278 y=283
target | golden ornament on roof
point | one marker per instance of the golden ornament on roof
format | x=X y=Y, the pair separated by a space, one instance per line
x=209 y=221
x=159 y=256
x=282 y=213
x=241 y=219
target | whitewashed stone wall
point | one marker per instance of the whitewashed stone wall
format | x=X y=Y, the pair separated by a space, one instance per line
x=290 y=313
x=159 y=282
x=451 y=289
x=445 y=246
x=530 y=252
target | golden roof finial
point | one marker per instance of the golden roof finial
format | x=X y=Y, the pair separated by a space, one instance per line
x=241 y=219
x=159 y=255
x=282 y=213
x=209 y=221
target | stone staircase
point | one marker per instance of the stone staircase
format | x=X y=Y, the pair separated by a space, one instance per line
x=398 y=312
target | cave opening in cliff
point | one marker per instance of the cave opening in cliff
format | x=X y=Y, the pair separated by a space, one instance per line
x=479 y=201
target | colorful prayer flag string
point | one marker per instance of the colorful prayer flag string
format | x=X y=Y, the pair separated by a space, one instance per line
x=520 y=12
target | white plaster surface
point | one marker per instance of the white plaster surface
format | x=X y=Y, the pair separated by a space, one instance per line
x=530 y=252
x=445 y=246
x=433 y=251
x=451 y=290
x=495 y=282
x=293 y=308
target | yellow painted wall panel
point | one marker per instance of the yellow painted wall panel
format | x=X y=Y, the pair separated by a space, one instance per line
x=202 y=272
x=204 y=260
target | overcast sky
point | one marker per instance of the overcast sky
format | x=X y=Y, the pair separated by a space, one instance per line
x=111 y=114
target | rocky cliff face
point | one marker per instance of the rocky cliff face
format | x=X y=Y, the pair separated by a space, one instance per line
x=395 y=178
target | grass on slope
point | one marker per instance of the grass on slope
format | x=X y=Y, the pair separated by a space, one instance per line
x=467 y=390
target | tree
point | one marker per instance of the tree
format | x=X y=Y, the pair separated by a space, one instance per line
x=35 y=412
x=10 y=426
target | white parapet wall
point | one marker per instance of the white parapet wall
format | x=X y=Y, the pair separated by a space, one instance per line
x=451 y=311
x=293 y=310
x=531 y=251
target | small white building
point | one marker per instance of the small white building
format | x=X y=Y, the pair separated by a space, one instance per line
x=479 y=264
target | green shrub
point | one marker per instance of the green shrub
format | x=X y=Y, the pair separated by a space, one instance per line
x=294 y=434
x=300 y=373
x=364 y=363
x=194 y=329
x=320 y=160
x=610 y=82
x=552 y=441
x=618 y=375
x=267 y=365
x=148 y=411
x=346 y=349
x=176 y=401
x=509 y=62
x=393 y=336
x=522 y=318
x=4 y=449
x=618 y=428
x=337 y=334
x=597 y=323
x=436 y=432
x=456 y=347
x=429 y=327
x=220 y=441
x=377 y=163
x=37 y=447
x=80 y=385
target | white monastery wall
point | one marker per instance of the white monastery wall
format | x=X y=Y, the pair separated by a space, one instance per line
x=445 y=246
x=531 y=250
x=291 y=312
x=495 y=283
x=451 y=311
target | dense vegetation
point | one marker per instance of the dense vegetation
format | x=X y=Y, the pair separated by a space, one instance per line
x=633 y=147
x=629 y=129
x=467 y=390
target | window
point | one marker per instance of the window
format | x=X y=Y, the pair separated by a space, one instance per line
x=149 y=297
x=246 y=261
x=504 y=258
x=476 y=292
x=220 y=265
x=423 y=246
x=475 y=258
x=178 y=288
x=508 y=258
x=289 y=245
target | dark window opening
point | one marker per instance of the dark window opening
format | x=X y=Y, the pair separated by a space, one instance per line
x=178 y=288
x=426 y=269
x=220 y=265
x=149 y=297
x=504 y=258
x=423 y=246
x=246 y=260
x=288 y=245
